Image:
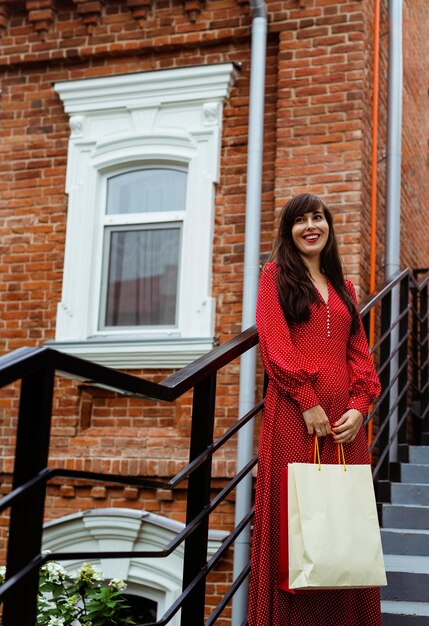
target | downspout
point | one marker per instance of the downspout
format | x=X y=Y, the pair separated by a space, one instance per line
x=393 y=184
x=250 y=290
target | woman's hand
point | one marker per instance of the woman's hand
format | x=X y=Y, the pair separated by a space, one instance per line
x=347 y=427
x=316 y=421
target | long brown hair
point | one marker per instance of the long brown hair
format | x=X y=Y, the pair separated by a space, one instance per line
x=295 y=288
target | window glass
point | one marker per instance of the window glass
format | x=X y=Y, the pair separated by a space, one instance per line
x=146 y=190
x=143 y=610
x=142 y=276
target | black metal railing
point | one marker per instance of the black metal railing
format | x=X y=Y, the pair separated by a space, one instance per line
x=400 y=351
x=393 y=335
x=401 y=341
x=420 y=347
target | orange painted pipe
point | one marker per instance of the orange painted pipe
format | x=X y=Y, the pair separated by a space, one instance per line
x=374 y=149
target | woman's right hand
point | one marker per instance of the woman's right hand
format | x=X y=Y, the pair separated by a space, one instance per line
x=317 y=421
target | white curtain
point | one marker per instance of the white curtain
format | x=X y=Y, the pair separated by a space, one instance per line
x=142 y=277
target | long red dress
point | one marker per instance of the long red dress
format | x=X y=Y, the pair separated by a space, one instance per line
x=315 y=362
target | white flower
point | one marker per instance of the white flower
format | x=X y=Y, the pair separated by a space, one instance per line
x=55 y=573
x=56 y=621
x=118 y=584
x=2 y=574
x=89 y=574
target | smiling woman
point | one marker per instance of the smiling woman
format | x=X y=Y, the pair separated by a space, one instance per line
x=321 y=381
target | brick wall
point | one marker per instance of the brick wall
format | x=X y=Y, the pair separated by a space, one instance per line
x=321 y=94
x=317 y=137
x=415 y=137
x=415 y=134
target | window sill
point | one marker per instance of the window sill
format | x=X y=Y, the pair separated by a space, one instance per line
x=132 y=354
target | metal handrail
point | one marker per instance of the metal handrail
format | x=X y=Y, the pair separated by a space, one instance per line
x=23 y=361
x=30 y=364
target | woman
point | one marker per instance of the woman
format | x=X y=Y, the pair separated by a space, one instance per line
x=321 y=381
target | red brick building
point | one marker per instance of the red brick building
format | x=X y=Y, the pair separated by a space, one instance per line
x=124 y=126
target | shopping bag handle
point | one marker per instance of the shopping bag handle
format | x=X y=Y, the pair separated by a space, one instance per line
x=316 y=454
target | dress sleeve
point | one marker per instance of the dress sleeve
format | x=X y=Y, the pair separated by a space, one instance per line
x=364 y=384
x=282 y=361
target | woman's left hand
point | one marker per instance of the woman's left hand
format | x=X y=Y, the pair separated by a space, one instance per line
x=347 y=427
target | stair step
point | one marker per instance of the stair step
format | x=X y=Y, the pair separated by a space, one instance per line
x=405 y=516
x=410 y=493
x=407 y=563
x=419 y=454
x=406 y=586
x=404 y=613
x=405 y=541
x=407 y=578
x=415 y=473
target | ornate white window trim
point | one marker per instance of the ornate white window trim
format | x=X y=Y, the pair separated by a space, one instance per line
x=169 y=117
x=137 y=354
x=127 y=530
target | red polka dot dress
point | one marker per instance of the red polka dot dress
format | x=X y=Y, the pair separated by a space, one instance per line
x=316 y=362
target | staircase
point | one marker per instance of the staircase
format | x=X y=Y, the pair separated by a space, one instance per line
x=405 y=536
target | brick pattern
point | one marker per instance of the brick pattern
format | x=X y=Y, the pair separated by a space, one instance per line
x=415 y=185
x=139 y=10
x=218 y=583
x=95 y=30
x=367 y=104
x=41 y=13
x=415 y=137
x=317 y=137
x=90 y=12
x=66 y=497
x=320 y=99
x=4 y=16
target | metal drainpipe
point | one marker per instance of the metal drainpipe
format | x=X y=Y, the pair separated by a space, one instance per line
x=250 y=289
x=393 y=185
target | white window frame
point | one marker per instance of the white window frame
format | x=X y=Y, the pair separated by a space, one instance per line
x=118 y=123
x=176 y=219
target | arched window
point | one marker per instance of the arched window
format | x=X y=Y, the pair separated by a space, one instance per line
x=143 y=610
x=143 y=164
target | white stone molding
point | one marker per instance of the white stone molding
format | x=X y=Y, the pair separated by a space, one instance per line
x=186 y=84
x=76 y=125
x=118 y=529
x=211 y=112
x=136 y=354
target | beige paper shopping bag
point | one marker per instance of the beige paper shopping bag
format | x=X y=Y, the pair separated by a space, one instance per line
x=333 y=532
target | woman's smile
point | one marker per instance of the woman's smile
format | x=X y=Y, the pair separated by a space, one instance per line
x=311 y=238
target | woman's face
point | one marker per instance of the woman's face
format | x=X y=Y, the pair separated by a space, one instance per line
x=310 y=233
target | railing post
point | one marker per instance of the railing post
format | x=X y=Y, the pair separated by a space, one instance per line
x=366 y=319
x=195 y=558
x=415 y=353
x=26 y=518
x=402 y=359
x=383 y=412
x=424 y=363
